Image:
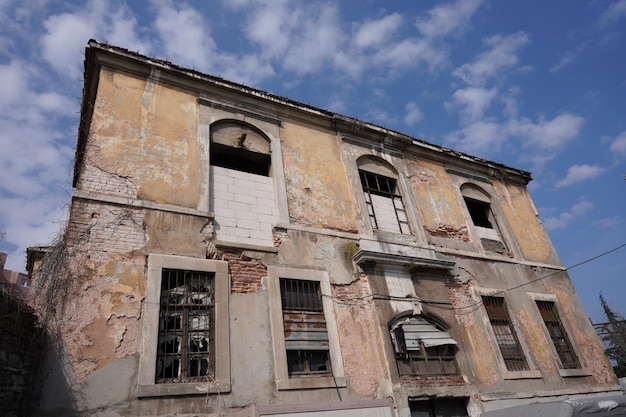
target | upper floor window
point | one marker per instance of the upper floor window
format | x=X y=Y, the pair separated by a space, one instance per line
x=557 y=333
x=385 y=208
x=478 y=205
x=505 y=334
x=238 y=146
x=422 y=347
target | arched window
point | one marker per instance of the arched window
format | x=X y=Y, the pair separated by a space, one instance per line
x=239 y=146
x=241 y=188
x=422 y=347
x=383 y=199
x=478 y=205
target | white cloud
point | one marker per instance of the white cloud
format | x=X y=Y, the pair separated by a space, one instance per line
x=609 y=222
x=579 y=173
x=566 y=59
x=66 y=34
x=502 y=53
x=184 y=34
x=473 y=101
x=577 y=211
x=448 y=18
x=618 y=144
x=413 y=114
x=480 y=137
x=377 y=32
x=409 y=53
x=546 y=134
x=614 y=12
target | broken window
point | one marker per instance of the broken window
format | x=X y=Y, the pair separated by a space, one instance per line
x=439 y=407
x=306 y=337
x=478 y=205
x=479 y=212
x=385 y=208
x=422 y=348
x=506 y=338
x=185 y=349
x=558 y=336
x=238 y=146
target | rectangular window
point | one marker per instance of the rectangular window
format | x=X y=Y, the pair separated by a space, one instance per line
x=558 y=335
x=439 y=407
x=186 y=327
x=384 y=203
x=506 y=337
x=306 y=336
x=185 y=332
x=479 y=212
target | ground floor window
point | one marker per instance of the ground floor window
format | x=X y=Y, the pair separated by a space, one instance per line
x=439 y=407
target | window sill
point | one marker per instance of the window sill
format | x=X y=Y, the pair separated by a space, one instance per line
x=310 y=383
x=521 y=374
x=167 y=390
x=567 y=373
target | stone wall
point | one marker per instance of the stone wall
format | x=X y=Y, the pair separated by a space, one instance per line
x=22 y=349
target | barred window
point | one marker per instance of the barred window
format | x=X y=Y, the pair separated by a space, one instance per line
x=506 y=337
x=558 y=336
x=186 y=334
x=422 y=348
x=306 y=336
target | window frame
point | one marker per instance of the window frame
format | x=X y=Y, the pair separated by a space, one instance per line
x=392 y=193
x=146 y=379
x=422 y=355
x=533 y=372
x=283 y=381
x=505 y=321
x=582 y=370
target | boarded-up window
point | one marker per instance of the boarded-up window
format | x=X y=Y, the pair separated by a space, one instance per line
x=506 y=337
x=306 y=337
x=185 y=350
x=558 y=336
x=384 y=203
x=422 y=348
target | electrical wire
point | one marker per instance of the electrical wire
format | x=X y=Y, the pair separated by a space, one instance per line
x=446 y=305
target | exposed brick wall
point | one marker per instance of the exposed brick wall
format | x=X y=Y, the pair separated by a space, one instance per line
x=22 y=349
x=412 y=381
x=246 y=274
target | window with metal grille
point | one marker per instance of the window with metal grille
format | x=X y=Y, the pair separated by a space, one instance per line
x=306 y=337
x=559 y=338
x=506 y=337
x=422 y=348
x=384 y=203
x=185 y=350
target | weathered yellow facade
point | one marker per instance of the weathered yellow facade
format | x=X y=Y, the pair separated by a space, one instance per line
x=393 y=233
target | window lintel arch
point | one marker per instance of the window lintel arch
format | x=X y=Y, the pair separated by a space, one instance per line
x=241 y=146
x=376 y=165
x=469 y=190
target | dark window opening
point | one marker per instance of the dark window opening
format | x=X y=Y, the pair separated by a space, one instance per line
x=479 y=211
x=439 y=407
x=240 y=159
x=506 y=337
x=559 y=338
x=306 y=336
x=185 y=349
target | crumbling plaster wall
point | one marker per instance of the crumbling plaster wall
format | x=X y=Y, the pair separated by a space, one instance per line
x=317 y=188
x=145 y=132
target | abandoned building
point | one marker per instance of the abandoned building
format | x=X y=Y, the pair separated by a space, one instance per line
x=236 y=253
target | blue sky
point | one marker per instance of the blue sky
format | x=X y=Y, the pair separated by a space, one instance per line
x=537 y=85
